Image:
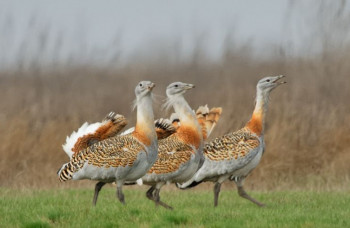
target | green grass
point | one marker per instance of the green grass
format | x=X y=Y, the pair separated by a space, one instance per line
x=193 y=208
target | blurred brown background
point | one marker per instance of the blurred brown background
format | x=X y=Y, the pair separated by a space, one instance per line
x=308 y=122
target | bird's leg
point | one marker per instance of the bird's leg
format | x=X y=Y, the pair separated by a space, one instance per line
x=149 y=193
x=243 y=194
x=98 y=187
x=157 y=197
x=120 y=194
x=159 y=202
x=217 y=187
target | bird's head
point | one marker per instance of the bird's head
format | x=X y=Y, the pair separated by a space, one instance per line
x=144 y=88
x=267 y=84
x=178 y=88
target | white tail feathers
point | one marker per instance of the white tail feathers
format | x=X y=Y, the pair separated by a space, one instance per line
x=89 y=134
x=128 y=131
x=84 y=130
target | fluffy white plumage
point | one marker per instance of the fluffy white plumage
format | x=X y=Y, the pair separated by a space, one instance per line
x=85 y=129
x=130 y=130
x=139 y=181
x=174 y=116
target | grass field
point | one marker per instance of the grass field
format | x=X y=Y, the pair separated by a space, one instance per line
x=72 y=208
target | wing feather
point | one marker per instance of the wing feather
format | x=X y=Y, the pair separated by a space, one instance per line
x=164 y=128
x=231 y=146
x=89 y=134
x=172 y=153
x=112 y=152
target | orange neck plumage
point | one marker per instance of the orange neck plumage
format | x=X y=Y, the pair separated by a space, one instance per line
x=255 y=124
x=142 y=134
x=189 y=135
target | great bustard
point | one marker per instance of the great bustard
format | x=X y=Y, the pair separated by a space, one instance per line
x=121 y=158
x=234 y=155
x=179 y=154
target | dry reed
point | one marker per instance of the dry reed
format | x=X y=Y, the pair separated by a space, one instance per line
x=307 y=135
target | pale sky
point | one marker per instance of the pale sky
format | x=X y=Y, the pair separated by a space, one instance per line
x=133 y=25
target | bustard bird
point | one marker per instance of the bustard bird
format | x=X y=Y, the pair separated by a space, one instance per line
x=179 y=155
x=234 y=155
x=206 y=119
x=120 y=158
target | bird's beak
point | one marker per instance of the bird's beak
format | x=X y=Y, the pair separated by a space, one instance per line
x=151 y=86
x=189 y=86
x=278 y=78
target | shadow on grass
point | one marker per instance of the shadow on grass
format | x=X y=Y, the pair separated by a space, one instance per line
x=36 y=224
x=54 y=216
x=176 y=219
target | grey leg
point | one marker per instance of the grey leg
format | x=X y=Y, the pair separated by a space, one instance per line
x=120 y=194
x=149 y=193
x=217 y=187
x=158 y=201
x=245 y=195
x=98 y=187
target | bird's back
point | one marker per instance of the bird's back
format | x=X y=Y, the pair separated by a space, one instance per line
x=228 y=153
x=172 y=152
x=114 y=152
x=232 y=145
x=178 y=156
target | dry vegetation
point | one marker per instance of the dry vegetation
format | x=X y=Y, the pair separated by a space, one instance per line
x=307 y=135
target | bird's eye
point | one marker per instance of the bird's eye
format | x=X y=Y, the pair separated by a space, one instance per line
x=268 y=80
x=176 y=85
x=140 y=84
